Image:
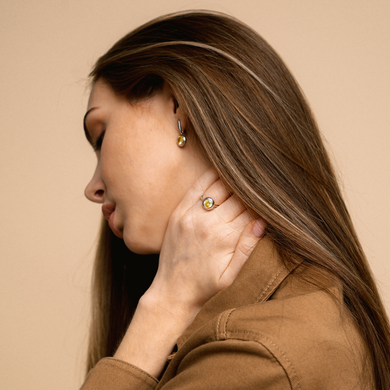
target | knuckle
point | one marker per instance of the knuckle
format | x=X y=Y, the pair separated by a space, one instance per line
x=246 y=248
x=204 y=229
x=185 y=222
x=202 y=235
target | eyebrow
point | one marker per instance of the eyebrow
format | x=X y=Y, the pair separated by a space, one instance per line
x=86 y=132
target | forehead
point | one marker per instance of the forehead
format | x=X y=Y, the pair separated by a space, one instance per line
x=101 y=94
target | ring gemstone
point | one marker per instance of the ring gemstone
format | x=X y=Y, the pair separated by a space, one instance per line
x=208 y=203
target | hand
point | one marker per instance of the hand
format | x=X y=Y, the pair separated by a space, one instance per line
x=203 y=251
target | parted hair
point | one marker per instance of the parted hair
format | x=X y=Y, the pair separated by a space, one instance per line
x=251 y=120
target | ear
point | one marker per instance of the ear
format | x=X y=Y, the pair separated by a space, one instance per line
x=174 y=105
x=179 y=115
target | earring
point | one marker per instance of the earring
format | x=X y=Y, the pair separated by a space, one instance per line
x=181 y=139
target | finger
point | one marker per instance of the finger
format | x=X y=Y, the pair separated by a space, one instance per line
x=199 y=188
x=247 y=241
x=218 y=192
x=241 y=221
x=230 y=209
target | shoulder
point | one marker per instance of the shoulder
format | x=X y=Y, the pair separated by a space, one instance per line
x=300 y=340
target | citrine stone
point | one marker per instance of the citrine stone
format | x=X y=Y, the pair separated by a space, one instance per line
x=208 y=203
x=181 y=140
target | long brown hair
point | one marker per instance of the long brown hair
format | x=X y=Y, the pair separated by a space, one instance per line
x=252 y=122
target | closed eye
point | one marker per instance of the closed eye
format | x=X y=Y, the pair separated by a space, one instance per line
x=98 y=144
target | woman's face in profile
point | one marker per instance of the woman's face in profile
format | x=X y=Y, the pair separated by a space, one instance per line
x=141 y=174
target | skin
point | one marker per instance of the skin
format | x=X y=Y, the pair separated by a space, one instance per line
x=156 y=187
x=140 y=167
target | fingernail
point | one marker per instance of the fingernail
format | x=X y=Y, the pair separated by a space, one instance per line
x=258 y=229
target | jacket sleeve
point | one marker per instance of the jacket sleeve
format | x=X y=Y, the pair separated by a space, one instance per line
x=114 y=374
x=228 y=365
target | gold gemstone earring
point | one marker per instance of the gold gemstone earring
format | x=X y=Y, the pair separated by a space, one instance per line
x=181 y=139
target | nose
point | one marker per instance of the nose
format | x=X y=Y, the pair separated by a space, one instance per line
x=95 y=189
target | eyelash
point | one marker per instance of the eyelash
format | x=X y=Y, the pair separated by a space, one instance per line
x=98 y=144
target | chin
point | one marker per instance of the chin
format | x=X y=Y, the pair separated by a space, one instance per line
x=141 y=246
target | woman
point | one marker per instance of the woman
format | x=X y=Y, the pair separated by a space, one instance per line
x=212 y=162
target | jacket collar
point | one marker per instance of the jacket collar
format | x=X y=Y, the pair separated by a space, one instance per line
x=258 y=279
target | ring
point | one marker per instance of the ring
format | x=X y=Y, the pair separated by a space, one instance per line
x=208 y=203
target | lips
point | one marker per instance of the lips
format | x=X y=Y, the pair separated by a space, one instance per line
x=109 y=212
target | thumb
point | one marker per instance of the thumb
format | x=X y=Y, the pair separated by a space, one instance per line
x=247 y=241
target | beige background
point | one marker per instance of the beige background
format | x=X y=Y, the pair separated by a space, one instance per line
x=337 y=49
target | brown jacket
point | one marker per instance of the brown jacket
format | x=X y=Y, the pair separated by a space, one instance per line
x=268 y=330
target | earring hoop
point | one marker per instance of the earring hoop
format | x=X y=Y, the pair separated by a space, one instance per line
x=181 y=139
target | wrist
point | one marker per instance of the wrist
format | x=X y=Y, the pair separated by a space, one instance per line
x=173 y=310
x=152 y=334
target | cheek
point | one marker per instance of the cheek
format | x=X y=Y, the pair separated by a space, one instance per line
x=116 y=164
x=149 y=203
